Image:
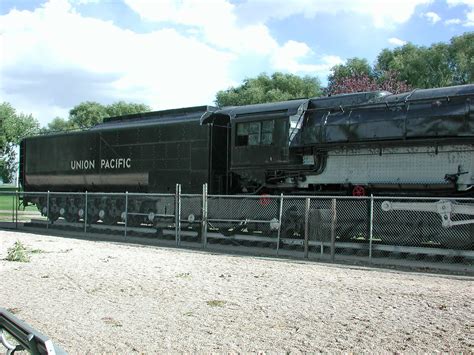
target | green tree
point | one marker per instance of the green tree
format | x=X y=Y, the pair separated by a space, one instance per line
x=121 y=108
x=14 y=127
x=90 y=113
x=6 y=111
x=462 y=58
x=419 y=66
x=87 y=114
x=59 y=124
x=264 y=88
x=438 y=65
x=354 y=67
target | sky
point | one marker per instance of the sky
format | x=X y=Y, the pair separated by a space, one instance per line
x=55 y=54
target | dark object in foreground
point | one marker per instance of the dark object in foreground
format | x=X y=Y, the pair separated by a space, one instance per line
x=28 y=338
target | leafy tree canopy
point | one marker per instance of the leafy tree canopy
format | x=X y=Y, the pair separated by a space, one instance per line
x=409 y=66
x=462 y=56
x=438 y=65
x=386 y=82
x=352 y=68
x=59 y=124
x=90 y=113
x=121 y=108
x=264 y=88
x=87 y=114
x=13 y=128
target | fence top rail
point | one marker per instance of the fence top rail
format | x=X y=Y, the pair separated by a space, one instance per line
x=419 y=198
x=250 y=197
x=123 y=194
x=292 y=197
x=152 y=194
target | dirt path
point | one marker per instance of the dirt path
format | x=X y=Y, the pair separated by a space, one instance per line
x=110 y=297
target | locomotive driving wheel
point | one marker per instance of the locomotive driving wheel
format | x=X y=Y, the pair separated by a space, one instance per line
x=292 y=224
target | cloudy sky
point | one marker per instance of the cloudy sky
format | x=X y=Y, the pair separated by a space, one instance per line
x=55 y=54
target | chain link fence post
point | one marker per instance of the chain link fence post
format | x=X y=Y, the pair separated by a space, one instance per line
x=126 y=214
x=371 y=230
x=333 y=228
x=85 y=213
x=306 y=227
x=204 y=216
x=13 y=208
x=47 y=211
x=17 y=202
x=178 y=214
x=280 y=216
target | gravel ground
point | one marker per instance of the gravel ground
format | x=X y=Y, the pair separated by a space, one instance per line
x=91 y=297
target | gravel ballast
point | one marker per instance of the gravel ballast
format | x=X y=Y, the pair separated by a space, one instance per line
x=97 y=296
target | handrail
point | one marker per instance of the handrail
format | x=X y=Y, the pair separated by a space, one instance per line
x=29 y=339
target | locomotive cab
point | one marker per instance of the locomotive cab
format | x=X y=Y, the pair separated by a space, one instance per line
x=260 y=137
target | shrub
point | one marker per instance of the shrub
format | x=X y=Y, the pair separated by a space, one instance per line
x=18 y=252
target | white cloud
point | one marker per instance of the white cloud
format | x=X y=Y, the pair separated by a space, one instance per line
x=432 y=17
x=54 y=58
x=453 y=21
x=469 y=19
x=383 y=14
x=213 y=21
x=397 y=41
x=288 y=58
x=460 y=2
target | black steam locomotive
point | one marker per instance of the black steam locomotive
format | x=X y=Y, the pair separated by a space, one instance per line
x=420 y=142
x=415 y=143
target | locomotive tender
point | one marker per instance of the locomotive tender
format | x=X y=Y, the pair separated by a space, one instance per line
x=420 y=142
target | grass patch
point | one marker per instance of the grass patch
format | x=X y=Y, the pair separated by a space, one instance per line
x=184 y=275
x=111 y=321
x=216 y=303
x=18 y=252
x=7 y=203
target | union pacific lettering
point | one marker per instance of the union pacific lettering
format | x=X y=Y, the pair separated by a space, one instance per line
x=82 y=164
x=116 y=163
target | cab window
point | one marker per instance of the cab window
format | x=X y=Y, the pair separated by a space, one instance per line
x=255 y=133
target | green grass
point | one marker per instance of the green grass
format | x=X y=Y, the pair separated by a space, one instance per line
x=216 y=303
x=18 y=252
x=184 y=275
x=7 y=203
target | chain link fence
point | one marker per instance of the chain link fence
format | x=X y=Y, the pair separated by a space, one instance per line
x=415 y=232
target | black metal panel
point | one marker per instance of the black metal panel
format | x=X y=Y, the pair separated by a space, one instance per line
x=284 y=108
x=262 y=154
x=122 y=156
x=443 y=112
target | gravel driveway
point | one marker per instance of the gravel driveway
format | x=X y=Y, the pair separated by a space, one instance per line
x=92 y=296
